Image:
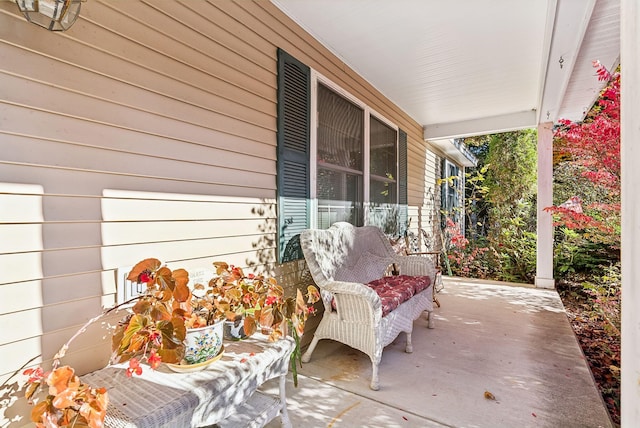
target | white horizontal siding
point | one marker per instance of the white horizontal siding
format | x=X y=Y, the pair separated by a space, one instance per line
x=423 y=196
x=22 y=151
x=84 y=184
x=146 y=130
x=136 y=134
x=12 y=296
x=16 y=354
x=20 y=267
x=117 y=209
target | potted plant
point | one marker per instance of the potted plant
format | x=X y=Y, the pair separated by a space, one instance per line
x=154 y=331
x=157 y=328
x=69 y=402
x=239 y=297
x=169 y=323
x=260 y=302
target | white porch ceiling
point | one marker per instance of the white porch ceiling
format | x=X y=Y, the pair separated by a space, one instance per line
x=471 y=67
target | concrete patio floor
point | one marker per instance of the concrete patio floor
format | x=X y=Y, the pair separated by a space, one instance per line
x=512 y=341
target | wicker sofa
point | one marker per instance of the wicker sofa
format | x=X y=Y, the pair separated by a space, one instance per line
x=363 y=308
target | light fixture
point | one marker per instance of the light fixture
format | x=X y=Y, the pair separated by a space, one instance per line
x=54 y=15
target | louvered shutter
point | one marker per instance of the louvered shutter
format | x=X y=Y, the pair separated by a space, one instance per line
x=402 y=181
x=443 y=185
x=443 y=194
x=293 y=154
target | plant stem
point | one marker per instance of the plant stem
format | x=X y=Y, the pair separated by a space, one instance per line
x=295 y=355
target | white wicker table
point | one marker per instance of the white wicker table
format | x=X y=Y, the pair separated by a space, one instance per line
x=223 y=394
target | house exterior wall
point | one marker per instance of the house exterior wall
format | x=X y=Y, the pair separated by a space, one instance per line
x=423 y=194
x=146 y=130
x=427 y=231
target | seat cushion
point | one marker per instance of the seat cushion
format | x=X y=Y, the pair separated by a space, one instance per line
x=394 y=290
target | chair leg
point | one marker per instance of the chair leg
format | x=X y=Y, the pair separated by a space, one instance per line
x=409 y=348
x=430 y=323
x=437 y=284
x=375 y=382
x=437 y=287
x=306 y=357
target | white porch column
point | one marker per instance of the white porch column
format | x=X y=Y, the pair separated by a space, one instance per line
x=544 y=260
x=630 y=154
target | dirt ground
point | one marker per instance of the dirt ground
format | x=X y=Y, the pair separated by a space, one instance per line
x=600 y=345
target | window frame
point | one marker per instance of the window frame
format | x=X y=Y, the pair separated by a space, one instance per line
x=451 y=192
x=377 y=178
x=317 y=79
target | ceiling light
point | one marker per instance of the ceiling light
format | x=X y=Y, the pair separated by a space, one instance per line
x=54 y=15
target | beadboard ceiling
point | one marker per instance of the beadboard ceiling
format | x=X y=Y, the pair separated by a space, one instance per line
x=471 y=67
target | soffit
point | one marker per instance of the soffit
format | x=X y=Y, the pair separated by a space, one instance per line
x=471 y=67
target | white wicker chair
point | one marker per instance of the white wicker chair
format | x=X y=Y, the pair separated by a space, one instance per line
x=342 y=259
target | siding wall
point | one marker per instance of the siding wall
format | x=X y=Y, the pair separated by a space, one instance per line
x=146 y=130
x=424 y=195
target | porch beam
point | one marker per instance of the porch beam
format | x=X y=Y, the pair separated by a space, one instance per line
x=481 y=126
x=544 y=251
x=630 y=156
x=565 y=43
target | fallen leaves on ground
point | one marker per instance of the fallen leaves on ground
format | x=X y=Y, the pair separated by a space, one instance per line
x=600 y=347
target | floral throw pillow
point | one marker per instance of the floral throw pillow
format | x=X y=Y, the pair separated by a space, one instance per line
x=369 y=267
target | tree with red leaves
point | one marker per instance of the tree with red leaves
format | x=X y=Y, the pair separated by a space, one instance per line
x=587 y=248
x=593 y=146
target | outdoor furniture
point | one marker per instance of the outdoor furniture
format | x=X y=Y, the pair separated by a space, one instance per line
x=437 y=282
x=224 y=393
x=404 y=246
x=364 y=309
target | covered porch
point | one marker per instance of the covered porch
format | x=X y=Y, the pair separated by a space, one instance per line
x=147 y=115
x=503 y=83
x=510 y=340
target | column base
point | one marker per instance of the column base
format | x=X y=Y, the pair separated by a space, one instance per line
x=545 y=282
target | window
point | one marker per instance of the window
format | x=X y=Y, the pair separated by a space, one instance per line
x=357 y=162
x=383 y=178
x=383 y=163
x=338 y=160
x=450 y=191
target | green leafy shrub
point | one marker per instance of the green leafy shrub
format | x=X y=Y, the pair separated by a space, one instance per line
x=574 y=253
x=605 y=290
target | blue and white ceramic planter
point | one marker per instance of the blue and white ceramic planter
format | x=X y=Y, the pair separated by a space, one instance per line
x=203 y=343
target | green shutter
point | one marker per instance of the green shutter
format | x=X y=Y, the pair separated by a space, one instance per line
x=443 y=194
x=402 y=181
x=443 y=184
x=293 y=154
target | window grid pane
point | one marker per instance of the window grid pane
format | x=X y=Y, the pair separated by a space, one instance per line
x=337 y=193
x=340 y=131
x=340 y=141
x=383 y=192
x=383 y=163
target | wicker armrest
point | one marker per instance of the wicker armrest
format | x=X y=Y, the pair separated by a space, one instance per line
x=422 y=253
x=415 y=265
x=352 y=300
x=352 y=288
